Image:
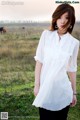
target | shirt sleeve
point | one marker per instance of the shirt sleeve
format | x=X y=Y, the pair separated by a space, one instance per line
x=73 y=60
x=40 y=49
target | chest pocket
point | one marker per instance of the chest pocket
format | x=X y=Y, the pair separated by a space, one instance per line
x=64 y=57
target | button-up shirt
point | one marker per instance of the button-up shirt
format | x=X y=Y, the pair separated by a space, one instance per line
x=57 y=57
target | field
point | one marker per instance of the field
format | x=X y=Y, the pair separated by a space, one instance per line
x=17 y=64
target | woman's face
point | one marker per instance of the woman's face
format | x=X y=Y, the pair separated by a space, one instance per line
x=62 y=21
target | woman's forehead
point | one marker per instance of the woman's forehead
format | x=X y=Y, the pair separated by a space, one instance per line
x=65 y=14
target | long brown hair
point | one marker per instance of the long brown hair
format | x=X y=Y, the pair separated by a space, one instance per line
x=60 y=10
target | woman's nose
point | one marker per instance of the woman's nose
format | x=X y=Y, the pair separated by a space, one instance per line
x=62 y=21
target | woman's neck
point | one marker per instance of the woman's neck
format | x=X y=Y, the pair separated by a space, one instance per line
x=61 y=32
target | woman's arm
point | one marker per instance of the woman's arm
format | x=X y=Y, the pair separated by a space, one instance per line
x=39 y=62
x=72 y=69
x=37 y=77
x=72 y=76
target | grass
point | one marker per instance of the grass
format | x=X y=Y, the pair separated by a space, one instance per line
x=17 y=49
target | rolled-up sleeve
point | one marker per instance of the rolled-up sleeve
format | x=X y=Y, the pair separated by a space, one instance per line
x=40 y=49
x=73 y=60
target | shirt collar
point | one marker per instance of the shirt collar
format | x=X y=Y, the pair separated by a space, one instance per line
x=62 y=36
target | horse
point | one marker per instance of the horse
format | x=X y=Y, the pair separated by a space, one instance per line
x=2 y=30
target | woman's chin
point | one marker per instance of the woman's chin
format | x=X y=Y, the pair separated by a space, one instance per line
x=60 y=28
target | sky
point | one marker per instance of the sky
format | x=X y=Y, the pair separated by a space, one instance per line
x=36 y=10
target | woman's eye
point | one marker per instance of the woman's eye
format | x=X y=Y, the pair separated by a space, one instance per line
x=67 y=17
x=64 y=18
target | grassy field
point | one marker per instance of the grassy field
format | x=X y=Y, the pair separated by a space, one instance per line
x=17 y=49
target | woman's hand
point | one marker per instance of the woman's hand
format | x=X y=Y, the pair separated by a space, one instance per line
x=74 y=101
x=36 y=90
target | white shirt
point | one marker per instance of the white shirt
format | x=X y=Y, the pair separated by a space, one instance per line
x=57 y=58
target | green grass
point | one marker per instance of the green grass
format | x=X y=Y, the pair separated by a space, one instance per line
x=17 y=49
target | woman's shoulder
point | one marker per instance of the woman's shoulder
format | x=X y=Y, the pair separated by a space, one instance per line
x=48 y=32
x=73 y=39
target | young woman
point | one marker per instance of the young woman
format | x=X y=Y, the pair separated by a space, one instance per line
x=56 y=66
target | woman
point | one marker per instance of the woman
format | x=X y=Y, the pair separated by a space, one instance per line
x=56 y=66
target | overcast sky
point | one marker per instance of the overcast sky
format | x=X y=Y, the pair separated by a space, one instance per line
x=30 y=9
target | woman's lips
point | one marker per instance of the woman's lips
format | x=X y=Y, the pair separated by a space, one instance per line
x=61 y=26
